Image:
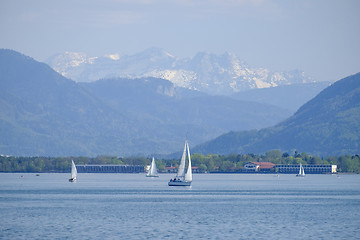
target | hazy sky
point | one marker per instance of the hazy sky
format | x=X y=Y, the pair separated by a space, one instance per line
x=321 y=37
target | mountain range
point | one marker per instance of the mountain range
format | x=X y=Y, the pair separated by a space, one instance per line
x=326 y=125
x=44 y=113
x=223 y=74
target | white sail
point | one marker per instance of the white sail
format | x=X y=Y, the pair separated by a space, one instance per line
x=188 y=175
x=181 y=171
x=301 y=171
x=73 y=170
x=153 y=170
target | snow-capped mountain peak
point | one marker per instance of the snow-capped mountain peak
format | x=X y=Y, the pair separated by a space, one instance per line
x=214 y=74
x=114 y=56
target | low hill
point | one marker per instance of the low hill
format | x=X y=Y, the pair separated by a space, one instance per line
x=326 y=125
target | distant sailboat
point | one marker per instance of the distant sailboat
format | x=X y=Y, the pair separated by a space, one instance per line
x=73 y=172
x=301 y=171
x=182 y=178
x=153 y=170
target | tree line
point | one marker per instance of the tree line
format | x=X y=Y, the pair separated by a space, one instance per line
x=204 y=163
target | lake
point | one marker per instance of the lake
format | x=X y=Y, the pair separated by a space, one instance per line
x=216 y=206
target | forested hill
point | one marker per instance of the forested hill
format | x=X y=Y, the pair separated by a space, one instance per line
x=43 y=113
x=329 y=124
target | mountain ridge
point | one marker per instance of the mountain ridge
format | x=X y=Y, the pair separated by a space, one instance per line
x=44 y=113
x=326 y=125
x=290 y=97
x=214 y=74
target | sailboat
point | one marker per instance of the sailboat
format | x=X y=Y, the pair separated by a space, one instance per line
x=301 y=171
x=73 y=172
x=153 y=170
x=182 y=178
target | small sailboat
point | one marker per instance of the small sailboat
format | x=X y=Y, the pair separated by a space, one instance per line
x=182 y=178
x=73 y=172
x=153 y=170
x=301 y=171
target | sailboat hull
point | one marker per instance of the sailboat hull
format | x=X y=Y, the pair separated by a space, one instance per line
x=72 y=180
x=152 y=175
x=179 y=183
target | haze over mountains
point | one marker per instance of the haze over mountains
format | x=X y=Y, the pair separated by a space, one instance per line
x=329 y=124
x=290 y=97
x=213 y=74
x=44 y=113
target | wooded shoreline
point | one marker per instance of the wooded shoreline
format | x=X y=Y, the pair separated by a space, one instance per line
x=211 y=163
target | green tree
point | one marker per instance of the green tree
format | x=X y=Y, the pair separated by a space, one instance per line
x=315 y=160
x=202 y=168
x=210 y=165
x=226 y=166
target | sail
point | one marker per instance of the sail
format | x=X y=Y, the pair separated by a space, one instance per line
x=302 y=171
x=188 y=175
x=181 y=171
x=153 y=169
x=73 y=170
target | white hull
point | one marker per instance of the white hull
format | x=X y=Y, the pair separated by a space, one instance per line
x=179 y=183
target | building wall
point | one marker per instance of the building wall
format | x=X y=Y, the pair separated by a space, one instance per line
x=259 y=167
x=308 y=169
x=251 y=167
x=110 y=168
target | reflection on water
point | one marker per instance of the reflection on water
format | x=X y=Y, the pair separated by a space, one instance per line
x=216 y=206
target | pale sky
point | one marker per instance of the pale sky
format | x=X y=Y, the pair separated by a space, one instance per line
x=321 y=37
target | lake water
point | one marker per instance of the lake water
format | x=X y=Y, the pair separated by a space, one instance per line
x=216 y=206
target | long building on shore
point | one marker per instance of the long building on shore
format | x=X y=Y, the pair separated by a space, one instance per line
x=110 y=168
x=308 y=169
x=262 y=167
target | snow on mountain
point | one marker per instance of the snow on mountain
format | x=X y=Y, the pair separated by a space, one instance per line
x=69 y=61
x=214 y=74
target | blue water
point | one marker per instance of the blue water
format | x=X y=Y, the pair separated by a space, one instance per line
x=216 y=206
